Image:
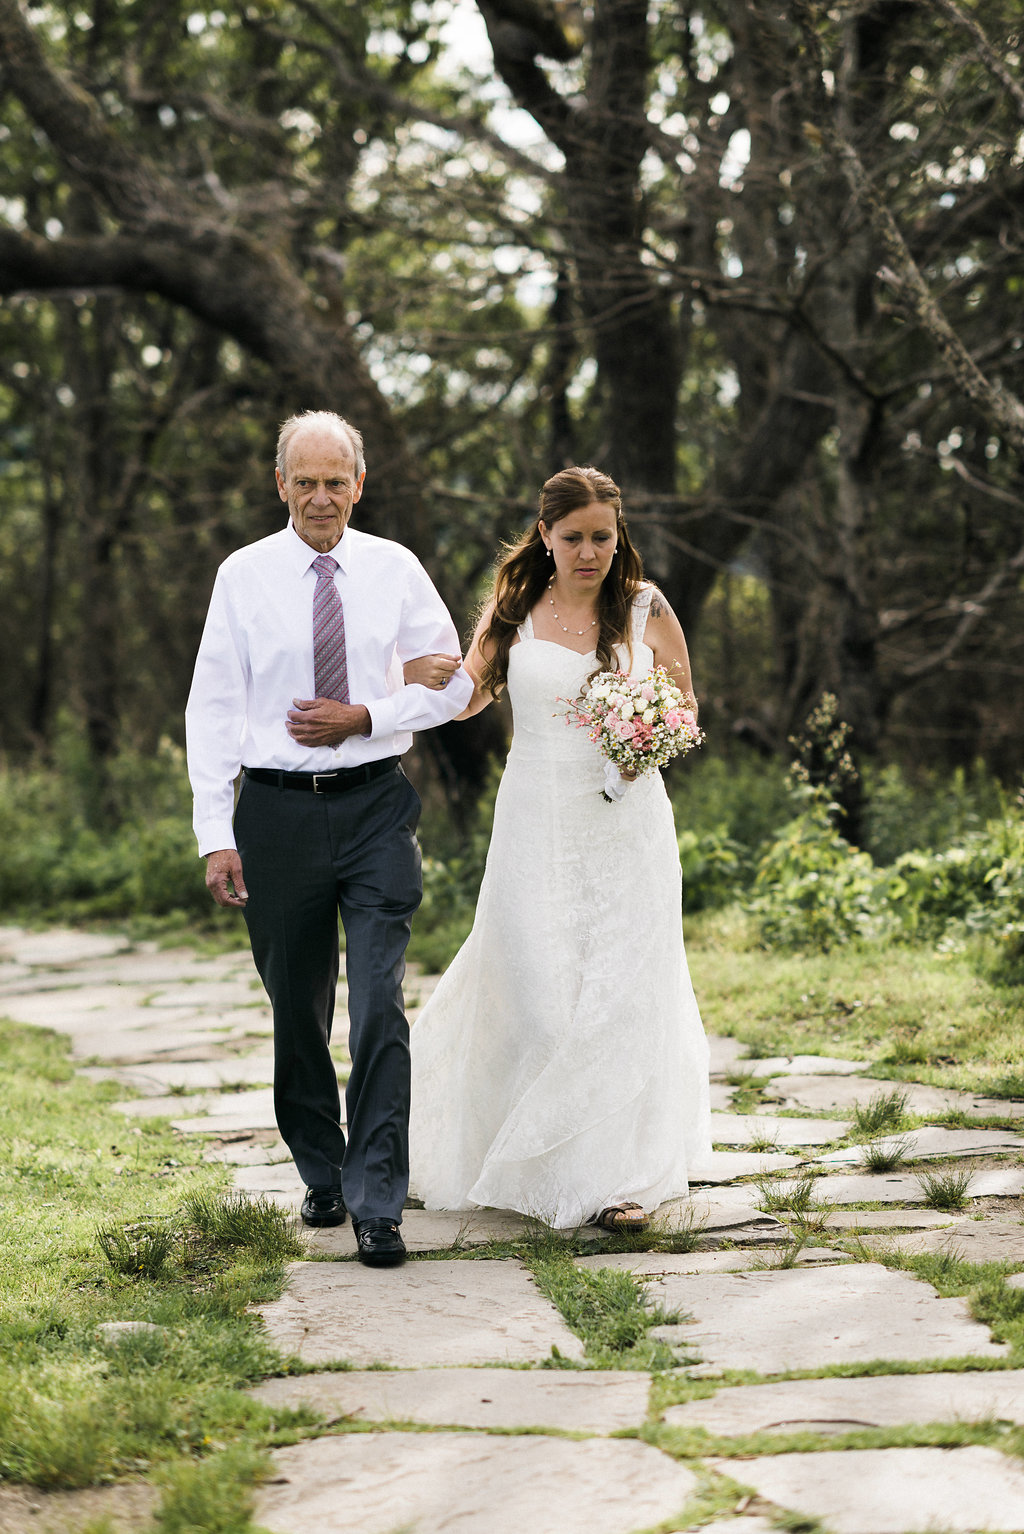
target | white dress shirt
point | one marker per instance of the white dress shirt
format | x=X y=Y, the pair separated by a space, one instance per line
x=256 y=658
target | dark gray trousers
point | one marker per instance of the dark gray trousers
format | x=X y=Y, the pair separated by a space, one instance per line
x=306 y=857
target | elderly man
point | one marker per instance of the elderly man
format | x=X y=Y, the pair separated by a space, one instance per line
x=298 y=685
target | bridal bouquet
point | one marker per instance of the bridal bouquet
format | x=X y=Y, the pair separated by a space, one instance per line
x=637 y=725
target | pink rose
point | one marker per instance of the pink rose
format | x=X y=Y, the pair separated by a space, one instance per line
x=673 y=718
x=624 y=729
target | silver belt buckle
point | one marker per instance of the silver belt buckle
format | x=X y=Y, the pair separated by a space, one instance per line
x=317 y=776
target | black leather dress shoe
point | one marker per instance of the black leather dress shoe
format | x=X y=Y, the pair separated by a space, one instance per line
x=323 y=1206
x=379 y=1243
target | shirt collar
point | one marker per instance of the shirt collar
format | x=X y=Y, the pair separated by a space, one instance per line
x=302 y=556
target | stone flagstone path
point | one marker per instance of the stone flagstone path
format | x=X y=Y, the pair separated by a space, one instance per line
x=466 y=1344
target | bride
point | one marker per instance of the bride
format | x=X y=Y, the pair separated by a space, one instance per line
x=560 y=1068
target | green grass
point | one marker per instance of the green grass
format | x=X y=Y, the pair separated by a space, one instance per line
x=914 y=1013
x=885 y=1113
x=606 y=1309
x=103 y=1223
x=946 y=1190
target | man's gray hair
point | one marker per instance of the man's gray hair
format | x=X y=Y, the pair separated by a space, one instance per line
x=324 y=420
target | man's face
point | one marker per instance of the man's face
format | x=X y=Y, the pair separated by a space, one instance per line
x=320 y=486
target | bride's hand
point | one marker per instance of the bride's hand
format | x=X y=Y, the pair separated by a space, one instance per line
x=433 y=671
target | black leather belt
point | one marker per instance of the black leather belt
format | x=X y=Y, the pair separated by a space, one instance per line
x=338 y=782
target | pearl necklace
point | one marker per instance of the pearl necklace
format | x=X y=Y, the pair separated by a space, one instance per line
x=578 y=632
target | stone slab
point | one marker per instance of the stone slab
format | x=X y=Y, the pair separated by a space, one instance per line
x=140 y=1046
x=58 y=946
x=725 y=1166
x=729 y=1214
x=434 y=1230
x=195 y=1075
x=888 y=1219
x=240 y=1110
x=721 y=1096
x=891 y=1491
x=799 y=1065
x=742 y=1128
x=597 y=1402
x=420 y=1315
x=723 y=1053
x=434 y=1483
x=736 y=1526
x=930 y=1143
x=248 y=1152
x=973 y=1241
x=279 y=1176
x=735 y=1261
x=842 y=1405
x=905 y=1187
x=817 y=1094
x=166 y=1105
x=211 y=996
x=775 y=1321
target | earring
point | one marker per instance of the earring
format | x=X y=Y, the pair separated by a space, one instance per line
x=551 y=553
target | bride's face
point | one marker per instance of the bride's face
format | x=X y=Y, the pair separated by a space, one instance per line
x=583 y=544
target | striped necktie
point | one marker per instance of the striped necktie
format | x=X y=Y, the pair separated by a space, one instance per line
x=330 y=667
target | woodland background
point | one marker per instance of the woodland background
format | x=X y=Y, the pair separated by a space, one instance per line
x=762 y=262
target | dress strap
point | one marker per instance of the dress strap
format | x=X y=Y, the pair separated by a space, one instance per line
x=525 y=629
x=640 y=613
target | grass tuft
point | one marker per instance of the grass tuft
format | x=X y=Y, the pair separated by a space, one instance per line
x=945 y=1190
x=237 y=1220
x=798 y=1197
x=214 y=1495
x=885 y=1155
x=886 y=1112
x=140 y=1250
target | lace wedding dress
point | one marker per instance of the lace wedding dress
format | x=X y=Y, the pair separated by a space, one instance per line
x=561 y=1064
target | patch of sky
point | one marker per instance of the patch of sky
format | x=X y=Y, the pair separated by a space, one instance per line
x=297 y=120
x=902 y=130
x=736 y=158
x=583 y=379
x=12 y=209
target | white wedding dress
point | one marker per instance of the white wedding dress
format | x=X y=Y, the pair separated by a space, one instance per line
x=560 y=1065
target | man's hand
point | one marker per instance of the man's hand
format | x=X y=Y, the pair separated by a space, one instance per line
x=224 y=878
x=325 y=722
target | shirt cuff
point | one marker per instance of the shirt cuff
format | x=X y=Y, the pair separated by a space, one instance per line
x=214 y=836
x=383 y=714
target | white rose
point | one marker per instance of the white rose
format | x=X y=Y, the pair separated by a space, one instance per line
x=626 y=711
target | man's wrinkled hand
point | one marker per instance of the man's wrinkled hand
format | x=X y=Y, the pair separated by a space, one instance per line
x=325 y=722
x=224 y=878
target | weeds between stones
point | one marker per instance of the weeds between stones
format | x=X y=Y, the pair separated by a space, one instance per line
x=885 y=1155
x=885 y=1111
x=607 y=1309
x=796 y=1198
x=945 y=1190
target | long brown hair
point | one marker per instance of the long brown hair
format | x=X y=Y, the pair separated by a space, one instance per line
x=524 y=571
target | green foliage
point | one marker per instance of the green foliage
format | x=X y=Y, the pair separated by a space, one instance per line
x=812 y=889
x=75 y=846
